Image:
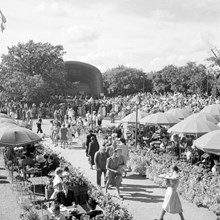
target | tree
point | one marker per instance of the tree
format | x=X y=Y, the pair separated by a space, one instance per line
x=191 y=78
x=124 y=81
x=33 y=71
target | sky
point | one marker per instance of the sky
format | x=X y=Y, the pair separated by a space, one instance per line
x=144 y=34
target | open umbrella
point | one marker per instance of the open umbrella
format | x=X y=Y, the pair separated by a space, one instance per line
x=7 y=120
x=131 y=118
x=193 y=126
x=204 y=116
x=179 y=113
x=7 y=124
x=209 y=142
x=14 y=136
x=159 y=118
x=2 y=115
x=213 y=109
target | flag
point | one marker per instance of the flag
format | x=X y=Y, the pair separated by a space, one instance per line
x=2 y=20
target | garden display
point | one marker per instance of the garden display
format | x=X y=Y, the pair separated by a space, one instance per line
x=197 y=184
x=81 y=185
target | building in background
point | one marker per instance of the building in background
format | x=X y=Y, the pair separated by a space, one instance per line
x=87 y=79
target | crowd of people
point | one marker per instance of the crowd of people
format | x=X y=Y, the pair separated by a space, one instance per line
x=109 y=156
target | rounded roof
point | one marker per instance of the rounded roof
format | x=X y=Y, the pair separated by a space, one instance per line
x=85 y=73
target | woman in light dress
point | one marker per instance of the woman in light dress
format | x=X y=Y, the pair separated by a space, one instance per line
x=70 y=134
x=57 y=182
x=171 y=203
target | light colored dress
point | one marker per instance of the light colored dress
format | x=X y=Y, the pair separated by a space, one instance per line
x=172 y=202
x=57 y=185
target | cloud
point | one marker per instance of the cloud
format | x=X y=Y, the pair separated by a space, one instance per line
x=106 y=59
x=159 y=62
x=82 y=34
x=52 y=7
x=161 y=14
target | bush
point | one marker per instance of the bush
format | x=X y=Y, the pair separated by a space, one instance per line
x=197 y=185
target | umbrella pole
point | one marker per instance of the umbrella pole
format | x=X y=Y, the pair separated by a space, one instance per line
x=12 y=168
x=136 y=126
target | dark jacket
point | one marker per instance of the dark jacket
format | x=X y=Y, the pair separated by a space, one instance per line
x=100 y=160
x=93 y=148
x=65 y=200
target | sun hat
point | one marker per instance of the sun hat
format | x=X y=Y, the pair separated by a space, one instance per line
x=118 y=148
x=114 y=135
x=170 y=176
x=40 y=158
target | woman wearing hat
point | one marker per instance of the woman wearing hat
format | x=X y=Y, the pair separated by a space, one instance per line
x=171 y=203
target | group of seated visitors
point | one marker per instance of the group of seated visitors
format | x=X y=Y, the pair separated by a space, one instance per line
x=63 y=196
x=157 y=138
x=90 y=214
x=30 y=160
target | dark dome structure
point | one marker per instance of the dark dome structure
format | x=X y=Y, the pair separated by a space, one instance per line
x=87 y=78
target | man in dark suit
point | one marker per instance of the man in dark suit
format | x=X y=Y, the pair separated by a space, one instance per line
x=92 y=204
x=66 y=196
x=100 y=163
x=88 y=140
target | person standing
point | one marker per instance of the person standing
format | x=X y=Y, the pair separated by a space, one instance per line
x=100 y=160
x=63 y=136
x=88 y=140
x=171 y=203
x=39 y=123
x=114 y=176
x=93 y=148
x=124 y=153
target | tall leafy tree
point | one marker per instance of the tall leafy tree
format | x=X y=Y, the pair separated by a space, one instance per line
x=124 y=80
x=33 y=71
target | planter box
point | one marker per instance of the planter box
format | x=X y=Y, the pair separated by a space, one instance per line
x=83 y=191
x=80 y=193
x=75 y=190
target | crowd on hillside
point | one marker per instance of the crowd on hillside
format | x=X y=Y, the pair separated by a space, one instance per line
x=78 y=115
x=119 y=106
x=109 y=154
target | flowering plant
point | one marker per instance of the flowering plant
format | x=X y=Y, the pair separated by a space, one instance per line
x=197 y=184
x=111 y=210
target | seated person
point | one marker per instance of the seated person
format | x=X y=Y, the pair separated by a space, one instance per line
x=66 y=196
x=27 y=161
x=30 y=148
x=66 y=173
x=216 y=167
x=51 y=166
x=40 y=160
x=92 y=204
x=164 y=144
x=56 y=212
x=57 y=182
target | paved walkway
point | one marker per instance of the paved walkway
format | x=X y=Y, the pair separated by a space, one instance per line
x=142 y=197
x=9 y=208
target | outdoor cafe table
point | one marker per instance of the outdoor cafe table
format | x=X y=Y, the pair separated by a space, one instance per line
x=42 y=180
x=66 y=211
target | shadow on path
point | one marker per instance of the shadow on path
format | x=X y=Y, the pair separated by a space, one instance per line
x=134 y=189
x=4 y=182
x=140 y=197
x=135 y=177
x=141 y=186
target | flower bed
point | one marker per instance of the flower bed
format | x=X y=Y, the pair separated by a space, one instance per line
x=197 y=185
x=112 y=210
